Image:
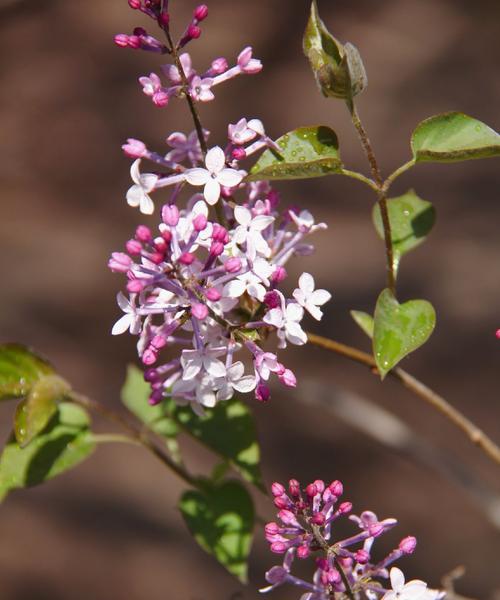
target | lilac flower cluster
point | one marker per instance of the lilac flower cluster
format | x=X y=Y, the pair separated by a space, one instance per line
x=306 y=518
x=207 y=281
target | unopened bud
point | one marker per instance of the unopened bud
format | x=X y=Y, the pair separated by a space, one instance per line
x=201 y=12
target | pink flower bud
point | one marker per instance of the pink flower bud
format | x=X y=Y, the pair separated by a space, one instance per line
x=362 y=557
x=220 y=234
x=216 y=249
x=200 y=222
x=170 y=214
x=134 y=148
x=160 y=244
x=288 y=378
x=287 y=516
x=303 y=551
x=186 y=258
x=201 y=12
x=279 y=275
x=140 y=31
x=408 y=545
x=134 y=286
x=134 y=41
x=119 y=262
x=239 y=154
x=320 y=484
x=497 y=334
x=164 y=19
x=281 y=502
x=336 y=488
x=345 y=508
x=294 y=488
x=199 y=310
x=166 y=234
x=219 y=65
x=318 y=519
x=155 y=398
x=193 y=32
x=277 y=489
x=213 y=294
x=150 y=356
x=272 y=528
x=151 y=375
x=232 y=265
x=311 y=490
x=273 y=197
x=134 y=4
x=159 y=341
x=160 y=98
x=143 y=233
x=278 y=548
x=121 y=40
x=262 y=392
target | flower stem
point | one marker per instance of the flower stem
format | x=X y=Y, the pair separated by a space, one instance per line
x=471 y=430
x=381 y=194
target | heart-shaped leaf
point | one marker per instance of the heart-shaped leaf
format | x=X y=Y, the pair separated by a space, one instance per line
x=20 y=368
x=411 y=220
x=364 y=320
x=221 y=519
x=33 y=414
x=399 y=329
x=64 y=443
x=305 y=152
x=453 y=137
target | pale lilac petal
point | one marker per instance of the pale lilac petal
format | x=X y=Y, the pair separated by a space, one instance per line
x=320 y=297
x=215 y=159
x=235 y=371
x=294 y=312
x=256 y=290
x=260 y=244
x=229 y=177
x=206 y=396
x=176 y=140
x=192 y=367
x=242 y=215
x=147 y=206
x=134 y=171
x=260 y=222
x=314 y=311
x=235 y=288
x=299 y=296
x=225 y=392
x=306 y=283
x=134 y=195
x=274 y=317
x=245 y=384
x=295 y=334
x=148 y=181
x=123 y=302
x=397 y=579
x=240 y=234
x=197 y=176
x=257 y=126
x=211 y=191
x=122 y=324
x=214 y=366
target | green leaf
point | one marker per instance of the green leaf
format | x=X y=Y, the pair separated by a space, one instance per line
x=135 y=393
x=228 y=429
x=453 y=137
x=338 y=69
x=399 y=329
x=65 y=442
x=411 y=220
x=34 y=413
x=20 y=368
x=221 y=519
x=305 y=152
x=364 y=320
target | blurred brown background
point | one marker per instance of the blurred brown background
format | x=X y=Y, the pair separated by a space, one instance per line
x=69 y=98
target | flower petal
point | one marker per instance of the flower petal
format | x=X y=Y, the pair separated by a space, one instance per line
x=214 y=366
x=242 y=215
x=215 y=159
x=294 y=312
x=229 y=177
x=197 y=176
x=295 y=334
x=306 y=283
x=260 y=222
x=147 y=206
x=397 y=579
x=134 y=195
x=212 y=191
x=245 y=384
x=320 y=297
x=134 y=170
x=122 y=324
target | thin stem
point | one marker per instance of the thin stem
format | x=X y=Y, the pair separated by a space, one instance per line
x=393 y=176
x=185 y=85
x=360 y=177
x=471 y=430
x=106 y=438
x=381 y=194
x=136 y=434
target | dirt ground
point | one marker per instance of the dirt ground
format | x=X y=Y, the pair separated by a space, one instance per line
x=110 y=529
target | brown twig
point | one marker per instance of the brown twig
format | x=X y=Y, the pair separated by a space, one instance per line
x=472 y=431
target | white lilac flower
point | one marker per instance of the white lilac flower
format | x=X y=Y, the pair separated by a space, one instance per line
x=245 y=131
x=214 y=176
x=235 y=380
x=250 y=230
x=130 y=320
x=194 y=361
x=413 y=590
x=201 y=89
x=254 y=281
x=199 y=392
x=172 y=72
x=287 y=323
x=185 y=148
x=309 y=298
x=305 y=221
x=138 y=194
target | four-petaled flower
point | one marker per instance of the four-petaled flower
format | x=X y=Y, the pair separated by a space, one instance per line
x=235 y=380
x=138 y=194
x=214 y=176
x=193 y=361
x=250 y=231
x=185 y=147
x=287 y=322
x=413 y=590
x=130 y=320
x=309 y=298
x=201 y=89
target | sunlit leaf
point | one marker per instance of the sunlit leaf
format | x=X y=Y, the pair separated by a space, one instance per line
x=399 y=329
x=221 y=519
x=364 y=320
x=305 y=152
x=453 y=137
x=411 y=220
x=20 y=368
x=65 y=442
